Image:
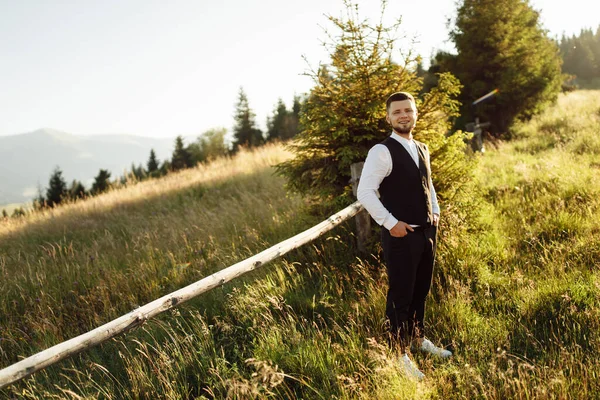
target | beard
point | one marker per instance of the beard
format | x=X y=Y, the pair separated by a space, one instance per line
x=404 y=129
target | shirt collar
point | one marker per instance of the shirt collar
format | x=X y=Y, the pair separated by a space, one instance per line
x=401 y=139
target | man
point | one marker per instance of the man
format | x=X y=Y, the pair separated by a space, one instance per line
x=408 y=211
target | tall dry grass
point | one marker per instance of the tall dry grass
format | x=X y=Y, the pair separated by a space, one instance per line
x=516 y=289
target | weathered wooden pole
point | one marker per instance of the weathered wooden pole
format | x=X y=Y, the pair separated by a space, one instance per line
x=363 y=219
x=136 y=317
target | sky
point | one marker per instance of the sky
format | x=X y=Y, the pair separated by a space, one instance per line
x=161 y=69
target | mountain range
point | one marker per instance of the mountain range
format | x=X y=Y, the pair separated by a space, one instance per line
x=27 y=160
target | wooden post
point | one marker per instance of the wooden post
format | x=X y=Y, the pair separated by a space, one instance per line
x=363 y=219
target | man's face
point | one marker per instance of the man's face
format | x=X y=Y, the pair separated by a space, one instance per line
x=402 y=115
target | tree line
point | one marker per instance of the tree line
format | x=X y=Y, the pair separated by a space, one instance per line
x=282 y=125
x=581 y=56
x=501 y=48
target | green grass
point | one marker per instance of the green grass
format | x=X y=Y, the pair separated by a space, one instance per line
x=525 y=281
x=516 y=289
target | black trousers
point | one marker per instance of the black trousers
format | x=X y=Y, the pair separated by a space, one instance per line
x=409 y=261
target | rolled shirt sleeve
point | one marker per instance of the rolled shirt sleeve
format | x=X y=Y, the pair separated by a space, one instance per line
x=377 y=166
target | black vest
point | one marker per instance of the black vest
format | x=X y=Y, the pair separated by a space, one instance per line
x=406 y=192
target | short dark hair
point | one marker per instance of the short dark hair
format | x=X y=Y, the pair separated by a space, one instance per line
x=398 y=96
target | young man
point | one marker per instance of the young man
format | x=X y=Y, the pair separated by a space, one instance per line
x=408 y=211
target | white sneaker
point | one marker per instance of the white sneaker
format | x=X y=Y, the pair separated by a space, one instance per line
x=410 y=369
x=428 y=347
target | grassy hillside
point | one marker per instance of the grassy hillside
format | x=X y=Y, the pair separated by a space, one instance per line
x=522 y=289
x=516 y=291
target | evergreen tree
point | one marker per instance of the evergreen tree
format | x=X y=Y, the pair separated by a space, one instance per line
x=197 y=150
x=501 y=45
x=295 y=126
x=181 y=156
x=4 y=213
x=296 y=106
x=245 y=132
x=101 y=182
x=283 y=125
x=138 y=173
x=57 y=189
x=581 y=55
x=344 y=115
x=152 y=165
x=165 y=168
x=77 y=190
x=276 y=125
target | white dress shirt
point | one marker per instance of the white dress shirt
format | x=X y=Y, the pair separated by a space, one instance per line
x=378 y=165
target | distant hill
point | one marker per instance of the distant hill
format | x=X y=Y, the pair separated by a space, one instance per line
x=28 y=159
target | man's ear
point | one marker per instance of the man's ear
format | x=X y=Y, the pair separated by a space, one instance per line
x=387 y=118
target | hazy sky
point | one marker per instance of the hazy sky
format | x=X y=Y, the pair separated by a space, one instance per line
x=158 y=68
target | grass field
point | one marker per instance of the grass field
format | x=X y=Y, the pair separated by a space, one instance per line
x=516 y=291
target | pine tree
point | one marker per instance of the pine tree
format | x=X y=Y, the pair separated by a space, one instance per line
x=284 y=123
x=101 y=182
x=294 y=117
x=501 y=45
x=181 y=156
x=138 y=173
x=245 y=132
x=296 y=106
x=276 y=125
x=344 y=115
x=153 y=163
x=77 y=190
x=57 y=189
x=165 y=168
x=4 y=213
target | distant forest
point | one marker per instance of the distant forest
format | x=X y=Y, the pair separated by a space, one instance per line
x=581 y=57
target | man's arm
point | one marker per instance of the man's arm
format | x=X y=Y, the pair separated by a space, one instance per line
x=377 y=166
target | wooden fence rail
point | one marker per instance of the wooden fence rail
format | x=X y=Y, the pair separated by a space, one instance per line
x=136 y=317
